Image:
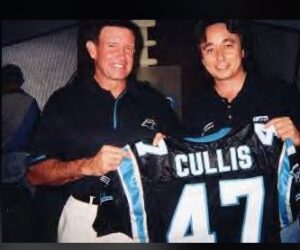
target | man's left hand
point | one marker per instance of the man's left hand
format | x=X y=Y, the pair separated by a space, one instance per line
x=285 y=129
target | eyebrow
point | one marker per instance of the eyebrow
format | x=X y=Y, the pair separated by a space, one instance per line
x=229 y=40
x=224 y=41
x=206 y=45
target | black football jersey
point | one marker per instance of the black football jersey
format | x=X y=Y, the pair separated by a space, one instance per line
x=231 y=186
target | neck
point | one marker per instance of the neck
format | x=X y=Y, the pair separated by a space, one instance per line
x=229 y=88
x=115 y=87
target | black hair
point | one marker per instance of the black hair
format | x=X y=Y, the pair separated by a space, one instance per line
x=90 y=30
x=12 y=75
x=233 y=26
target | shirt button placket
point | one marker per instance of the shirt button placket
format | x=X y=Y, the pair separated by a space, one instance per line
x=229 y=110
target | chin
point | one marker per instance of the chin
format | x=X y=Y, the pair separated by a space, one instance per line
x=119 y=76
x=222 y=77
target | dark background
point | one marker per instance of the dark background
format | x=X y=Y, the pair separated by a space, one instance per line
x=275 y=47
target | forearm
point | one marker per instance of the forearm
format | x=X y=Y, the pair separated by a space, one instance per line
x=55 y=172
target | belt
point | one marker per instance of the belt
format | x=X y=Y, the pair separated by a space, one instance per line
x=87 y=198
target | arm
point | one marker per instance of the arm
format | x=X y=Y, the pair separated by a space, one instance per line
x=56 y=172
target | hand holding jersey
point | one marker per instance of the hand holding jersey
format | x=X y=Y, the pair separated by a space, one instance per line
x=205 y=185
x=109 y=158
x=285 y=129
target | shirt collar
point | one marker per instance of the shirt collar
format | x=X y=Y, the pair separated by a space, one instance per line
x=93 y=87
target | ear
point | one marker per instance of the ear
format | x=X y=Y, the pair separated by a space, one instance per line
x=202 y=60
x=91 y=48
x=243 y=53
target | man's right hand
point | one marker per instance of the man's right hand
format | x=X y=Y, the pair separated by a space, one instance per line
x=106 y=160
x=56 y=172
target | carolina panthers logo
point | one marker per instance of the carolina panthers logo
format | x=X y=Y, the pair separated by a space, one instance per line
x=207 y=127
x=149 y=123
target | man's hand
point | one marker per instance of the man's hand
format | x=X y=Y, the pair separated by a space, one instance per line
x=286 y=129
x=157 y=138
x=106 y=160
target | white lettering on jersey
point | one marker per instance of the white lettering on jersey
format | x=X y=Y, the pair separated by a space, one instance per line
x=143 y=149
x=244 y=156
x=181 y=172
x=265 y=135
x=200 y=163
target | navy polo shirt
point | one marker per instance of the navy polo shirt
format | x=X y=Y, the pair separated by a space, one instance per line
x=259 y=97
x=81 y=117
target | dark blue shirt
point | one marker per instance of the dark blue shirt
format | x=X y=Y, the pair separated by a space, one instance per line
x=260 y=97
x=81 y=117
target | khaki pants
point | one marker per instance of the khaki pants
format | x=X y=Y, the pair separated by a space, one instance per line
x=76 y=224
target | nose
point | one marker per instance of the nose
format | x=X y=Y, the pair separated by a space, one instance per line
x=121 y=52
x=220 y=54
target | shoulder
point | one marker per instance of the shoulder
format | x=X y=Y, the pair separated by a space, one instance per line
x=64 y=96
x=18 y=99
x=144 y=90
x=271 y=85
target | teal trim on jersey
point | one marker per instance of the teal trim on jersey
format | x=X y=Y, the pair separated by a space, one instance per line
x=115 y=120
x=134 y=193
x=284 y=186
x=210 y=138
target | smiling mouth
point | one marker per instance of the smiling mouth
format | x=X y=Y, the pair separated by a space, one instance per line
x=119 y=66
x=221 y=67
